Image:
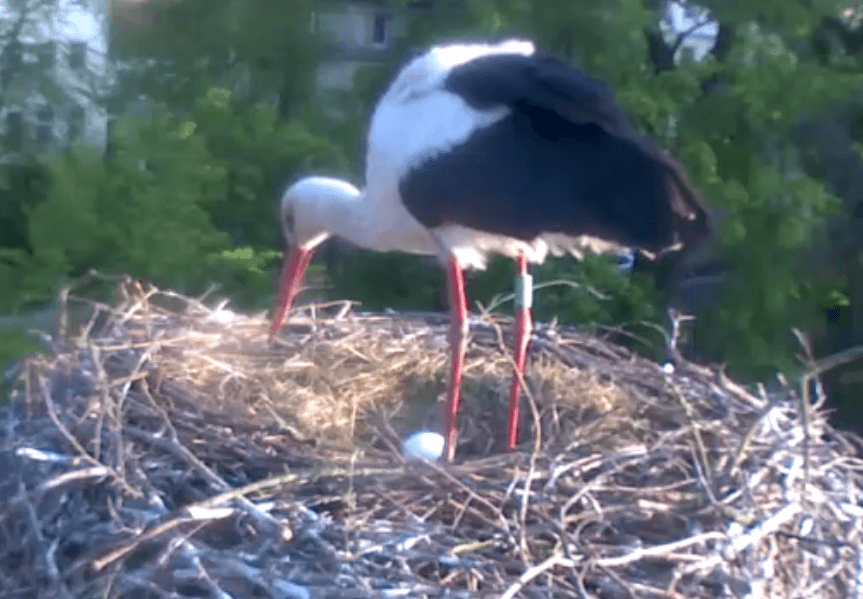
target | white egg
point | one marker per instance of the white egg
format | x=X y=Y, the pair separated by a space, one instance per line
x=223 y=316
x=424 y=444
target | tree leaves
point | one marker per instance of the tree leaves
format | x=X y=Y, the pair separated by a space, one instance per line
x=191 y=192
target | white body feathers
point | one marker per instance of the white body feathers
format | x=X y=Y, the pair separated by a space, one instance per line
x=417 y=119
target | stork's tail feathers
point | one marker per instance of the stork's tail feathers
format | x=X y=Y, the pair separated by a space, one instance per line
x=692 y=218
x=688 y=204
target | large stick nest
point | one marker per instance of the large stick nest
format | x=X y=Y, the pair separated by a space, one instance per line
x=167 y=449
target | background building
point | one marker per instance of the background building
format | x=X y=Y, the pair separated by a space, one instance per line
x=53 y=72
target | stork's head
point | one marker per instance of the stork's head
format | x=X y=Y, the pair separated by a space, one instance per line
x=311 y=209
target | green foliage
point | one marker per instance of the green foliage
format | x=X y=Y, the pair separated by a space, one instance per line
x=627 y=300
x=256 y=48
x=168 y=204
x=769 y=292
x=142 y=213
x=257 y=152
x=190 y=196
x=246 y=273
x=13 y=345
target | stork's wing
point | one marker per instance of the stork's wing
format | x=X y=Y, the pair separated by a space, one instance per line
x=539 y=81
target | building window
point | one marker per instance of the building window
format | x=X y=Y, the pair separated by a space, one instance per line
x=11 y=61
x=46 y=54
x=45 y=127
x=380 y=31
x=77 y=52
x=76 y=123
x=110 y=145
x=14 y=130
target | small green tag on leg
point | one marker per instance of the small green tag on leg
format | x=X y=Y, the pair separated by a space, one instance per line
x=523 y=291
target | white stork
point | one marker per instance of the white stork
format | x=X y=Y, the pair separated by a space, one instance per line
x=494 y=148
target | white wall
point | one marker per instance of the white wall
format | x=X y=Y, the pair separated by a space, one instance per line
x=337 y=74
x=62 y=86
x=359 y=26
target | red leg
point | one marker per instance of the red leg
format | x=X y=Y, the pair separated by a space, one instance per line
x=458 y=339
x=521 y=338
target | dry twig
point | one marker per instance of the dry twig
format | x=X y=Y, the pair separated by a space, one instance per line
x=167 y=450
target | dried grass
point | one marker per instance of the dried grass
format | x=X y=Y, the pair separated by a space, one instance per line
x=168 y=450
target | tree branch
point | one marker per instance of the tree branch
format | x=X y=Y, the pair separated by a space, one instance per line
x=662 y=54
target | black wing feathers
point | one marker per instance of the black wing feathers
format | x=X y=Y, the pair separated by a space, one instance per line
x=567 y=160
x=542 y=81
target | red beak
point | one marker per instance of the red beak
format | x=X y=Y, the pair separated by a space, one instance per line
x=293 y=270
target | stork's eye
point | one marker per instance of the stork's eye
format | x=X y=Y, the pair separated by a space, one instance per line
x=288 y=220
